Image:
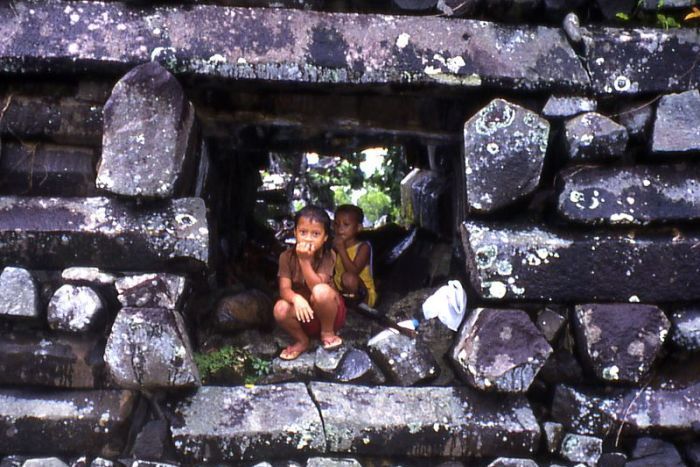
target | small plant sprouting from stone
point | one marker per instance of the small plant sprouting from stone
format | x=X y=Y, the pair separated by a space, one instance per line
x=666 y=21
x=231 y=359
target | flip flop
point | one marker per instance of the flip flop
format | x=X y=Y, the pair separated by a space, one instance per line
x=331 y=342
x=292 y=353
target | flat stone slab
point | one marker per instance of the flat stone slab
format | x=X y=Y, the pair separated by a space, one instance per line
x=675 y=127
x=630 y=195
x=646 y=410
x=643 y=60
x=287 y=45
x=222 y=424
x=512 y=262
x=102 y=232
x=90 y=422
x=425 y=422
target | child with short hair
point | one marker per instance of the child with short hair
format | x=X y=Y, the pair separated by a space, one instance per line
x=309 y=305
x=353 y=265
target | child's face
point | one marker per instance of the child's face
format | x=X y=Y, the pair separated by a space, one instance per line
x=308 y=231
x=345 y=225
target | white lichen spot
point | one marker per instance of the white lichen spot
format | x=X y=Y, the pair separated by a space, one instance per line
x=630 y=200
x=74 y=18
x=633 y=299
x=611 y=373
x=636 y=348
x=621 y=218
x=646 y=182
x=454 y=64
x=492 y=148
x=576 y=196
x=73 y=48
x=121 y=27
x=402 y=40
x=217 y=59
x=497 y=289
x=621 y=83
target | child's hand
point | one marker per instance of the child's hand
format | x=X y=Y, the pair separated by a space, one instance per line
x=302 y=309
x=338 y=244
x=305 y=250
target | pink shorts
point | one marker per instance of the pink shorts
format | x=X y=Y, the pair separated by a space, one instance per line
x=313 y=327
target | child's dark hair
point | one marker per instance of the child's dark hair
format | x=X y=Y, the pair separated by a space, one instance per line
x=316 y=214
x=353 y=210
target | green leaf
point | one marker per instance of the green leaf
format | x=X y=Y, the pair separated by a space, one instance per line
x=622 y=16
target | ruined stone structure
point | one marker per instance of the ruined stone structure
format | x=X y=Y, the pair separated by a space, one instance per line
x=131 y=138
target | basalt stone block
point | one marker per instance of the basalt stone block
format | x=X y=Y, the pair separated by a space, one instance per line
x=637 y=117
x=592 y=137
x=156 y=290
x=425 y=422
x=581 y=448
x=560 y=107
x=415 y=5
x=19 y=295
x=620 y=342
x=297 y=46
x=512 y=462
x=93 y=422
x=553 y=434
x=630 y=195
x=533 y=263
x=86 y=275
x=562 y=368
x=675 y=126
x=612 y=459
x=50 y=360
x=75 y=309
x=229 y=424
x=652 y=410
x=327 y=361
x=244 y=310
x=458 y=7
x=656 y=5
x=105 y=233
x=358 y=368
x=61 y=120
x=332 y=462
x=301 y=368
x=504 y=149
x=405 y=361
x=45 y=170
x=551 y=323
x=641 y=60
x=149 y=348
x=499 y=350
x=652 y=452
x=148 y=145
x=44 y=462
x=685 y=332
x=439 y=339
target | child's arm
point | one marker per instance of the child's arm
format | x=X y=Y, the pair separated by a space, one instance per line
x=361 y=258
x=302 y=309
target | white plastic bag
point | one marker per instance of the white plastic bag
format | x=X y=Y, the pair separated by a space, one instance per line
x=448 y=303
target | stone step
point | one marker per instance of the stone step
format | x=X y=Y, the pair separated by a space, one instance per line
x=50 y=360
x=513 y=262
x=85 y=422
x=54 y=233
x=287 y=46
x=425 y=422
x=630 y=195
x=47 y=170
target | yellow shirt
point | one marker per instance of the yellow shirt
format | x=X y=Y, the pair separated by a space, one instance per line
x=365 y=274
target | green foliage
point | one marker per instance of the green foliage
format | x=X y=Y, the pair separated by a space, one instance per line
x=231 y=359
x=376 y=203
x=659 y=20
x=667 y=21
x=622 y=16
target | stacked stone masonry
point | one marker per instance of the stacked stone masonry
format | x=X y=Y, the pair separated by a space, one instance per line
x=571 y=142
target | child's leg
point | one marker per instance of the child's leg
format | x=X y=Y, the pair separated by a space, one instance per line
x=286 y=318
x=353 y=284
x=324 y=300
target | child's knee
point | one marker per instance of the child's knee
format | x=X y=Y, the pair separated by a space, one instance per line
x=351 y=281
x=281 y=310
x=322 y=293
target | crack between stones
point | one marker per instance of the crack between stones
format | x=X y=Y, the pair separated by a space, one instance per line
x=320 y=415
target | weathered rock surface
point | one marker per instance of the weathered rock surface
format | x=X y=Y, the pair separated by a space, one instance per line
x=581 y=448
x=652 y=452
x=439 y=339
x=562 y=368
x=299 y=46
x=499 y=350
x=424 y=422
x=91 y=422
x=655 y=5
x=245 y=310
x=504 y=149
x=37 y=359
x=46 y=170
x=237 y=423
x=87 y=275
x=553 y=434
x=675 y=127
x=457 y=7
x=327 y=361
x=620 y=342
x=551 y=323
x=560 y=107
x=637 y=117
x=332 y=462
x=405 y=361
x=630 y=195
x=301 y=368
x=148 y=145
x=532 y=263
x=19 y=296
x=642 y=60
x=149 y=348
x=592 y=137
x=648 y=410
x=357 y=367
x=156 y=290
x=612 y=459
x=102 y=232
x=512 y=462
x=75 y=309
x=44 y=462
x=685 y=332
x=152 y=440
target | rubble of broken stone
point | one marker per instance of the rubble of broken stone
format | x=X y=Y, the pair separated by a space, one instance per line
x=580 y=343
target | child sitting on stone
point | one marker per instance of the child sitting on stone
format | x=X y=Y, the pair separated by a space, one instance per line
x=353 y=264
x=309 y=305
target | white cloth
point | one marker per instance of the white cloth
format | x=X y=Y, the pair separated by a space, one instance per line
x=448 y=303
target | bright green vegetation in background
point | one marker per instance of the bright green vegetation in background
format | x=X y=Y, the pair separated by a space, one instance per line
x=231 y=362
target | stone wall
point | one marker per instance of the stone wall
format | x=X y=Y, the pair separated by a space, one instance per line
x=131 y=138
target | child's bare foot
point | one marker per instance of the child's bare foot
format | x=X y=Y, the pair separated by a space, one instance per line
x=293 y=351
x=331 y=341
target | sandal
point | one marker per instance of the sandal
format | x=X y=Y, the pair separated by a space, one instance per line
x=292 y=352
x=331 y=342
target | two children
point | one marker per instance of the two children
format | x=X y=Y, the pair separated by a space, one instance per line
x=309 y=304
